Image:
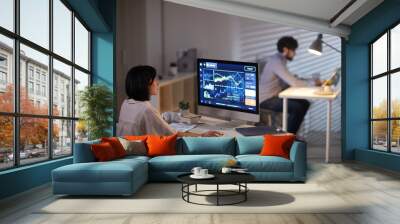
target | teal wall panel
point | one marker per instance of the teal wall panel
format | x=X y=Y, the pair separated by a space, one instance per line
x=356 y=85
x=24 y=178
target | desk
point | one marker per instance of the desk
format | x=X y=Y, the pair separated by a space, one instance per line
x=214 y=124
x=308 y=93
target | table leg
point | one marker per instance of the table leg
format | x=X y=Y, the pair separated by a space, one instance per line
x=188 y=190
x=328 y=130
x=217 y=194
x=284 y=114
x=245 y=192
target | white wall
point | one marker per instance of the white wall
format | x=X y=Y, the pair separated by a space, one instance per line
x=139 y=39
x=187 y=27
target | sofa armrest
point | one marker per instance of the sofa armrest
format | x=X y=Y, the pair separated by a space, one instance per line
x=83 y=152
x=298 y=155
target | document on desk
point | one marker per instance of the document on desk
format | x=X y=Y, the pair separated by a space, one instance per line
x=182 y=126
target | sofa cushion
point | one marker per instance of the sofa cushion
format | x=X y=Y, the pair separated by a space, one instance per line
x=185 y=163
x=249 y=145
x=112 y=171
x=116 y=145
x=135 y=147
x=128 y=159
x=257 y=163
x=103 y=152
x=83 y=152
x=208 y=145
x=277 y=145
x=161 y=145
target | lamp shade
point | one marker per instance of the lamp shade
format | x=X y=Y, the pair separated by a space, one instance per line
x=316 y=46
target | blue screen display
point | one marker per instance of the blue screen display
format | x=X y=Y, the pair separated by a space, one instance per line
x=231 y=85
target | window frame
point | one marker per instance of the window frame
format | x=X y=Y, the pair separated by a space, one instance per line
x=16 y=114
x=388 y=74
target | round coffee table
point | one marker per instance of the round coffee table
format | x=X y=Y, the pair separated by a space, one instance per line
x=238 y=179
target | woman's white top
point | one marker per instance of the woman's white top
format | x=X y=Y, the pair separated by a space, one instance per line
x=141 y=118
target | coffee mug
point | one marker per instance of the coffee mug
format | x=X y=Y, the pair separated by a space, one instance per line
x=203 y=172
x=196 y=171
x=226 y=170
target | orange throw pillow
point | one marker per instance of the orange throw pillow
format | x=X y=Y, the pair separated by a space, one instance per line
x=161 y=145
x=103 y=152
x=277 y=145
x=116 y=145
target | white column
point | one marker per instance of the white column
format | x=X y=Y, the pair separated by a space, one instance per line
x=284 y=114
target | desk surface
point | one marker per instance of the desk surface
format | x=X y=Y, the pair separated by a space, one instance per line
x=306 y=93
x=214 y=124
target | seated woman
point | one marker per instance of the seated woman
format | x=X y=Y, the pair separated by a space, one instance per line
x=137 y=115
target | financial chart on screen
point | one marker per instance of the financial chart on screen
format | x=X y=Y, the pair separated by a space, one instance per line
x=231 y=85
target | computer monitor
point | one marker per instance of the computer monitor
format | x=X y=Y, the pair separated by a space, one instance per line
x=228 y=89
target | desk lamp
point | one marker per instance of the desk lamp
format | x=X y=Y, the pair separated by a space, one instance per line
x=316 y=46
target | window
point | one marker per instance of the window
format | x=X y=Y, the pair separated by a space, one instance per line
x=44 y=91
x=37 y=89
x=7 y=14
x=34 y=21
x=81 y=81
x=62 y=137
x=81 y=45
x=62 y=29
x=62 y=74
x=3 y=78
x=7 y=85
x=30 y=87
x=30 y=72
x=37 y=75
x=385 y=94
x=3 y=61
x=6 y=142
x=49 y=79
x=3 y=72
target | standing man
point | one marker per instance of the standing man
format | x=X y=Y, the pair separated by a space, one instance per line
x=276 y=77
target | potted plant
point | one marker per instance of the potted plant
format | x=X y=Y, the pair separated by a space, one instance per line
x=183 y=107
x=96 y=102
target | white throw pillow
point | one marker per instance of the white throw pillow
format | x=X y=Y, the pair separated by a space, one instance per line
x=137 y=148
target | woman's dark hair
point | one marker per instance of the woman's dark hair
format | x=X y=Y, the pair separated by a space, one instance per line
x=288 y=42
x=138 y=80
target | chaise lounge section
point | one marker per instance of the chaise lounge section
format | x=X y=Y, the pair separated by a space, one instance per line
x=125 y=176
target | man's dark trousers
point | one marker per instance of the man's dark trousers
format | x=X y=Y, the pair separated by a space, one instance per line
x=297 y=109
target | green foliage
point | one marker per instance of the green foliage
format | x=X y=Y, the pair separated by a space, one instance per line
x=96 y=102
x=380 y=127
x=183 y=105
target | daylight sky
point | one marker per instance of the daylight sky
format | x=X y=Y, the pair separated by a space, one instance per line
x=35 y=27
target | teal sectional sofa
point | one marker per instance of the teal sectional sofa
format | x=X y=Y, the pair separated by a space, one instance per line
x=125 y=176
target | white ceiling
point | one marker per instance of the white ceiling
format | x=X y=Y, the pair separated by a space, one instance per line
x=313 y=15
x=319 y=9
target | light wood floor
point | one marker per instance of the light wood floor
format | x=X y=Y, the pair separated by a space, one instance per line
x=377 y=188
